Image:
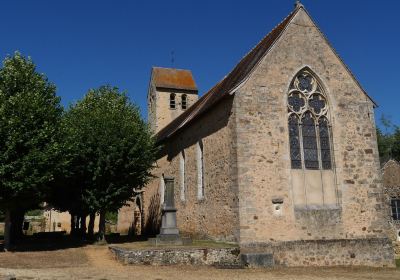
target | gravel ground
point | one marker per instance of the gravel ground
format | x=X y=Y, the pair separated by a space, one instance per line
x=96 y=262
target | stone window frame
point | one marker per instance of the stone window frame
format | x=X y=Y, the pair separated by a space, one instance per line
x=298 y=111
x=200 y=170
x=396 y=201
x=172 y=100
x=391 y=192
x=182 y=175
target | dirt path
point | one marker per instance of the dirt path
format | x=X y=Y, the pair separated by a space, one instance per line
x=101 y=257
x=96 y=262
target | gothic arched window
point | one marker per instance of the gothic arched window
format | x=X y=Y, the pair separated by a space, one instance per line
x=309 y=129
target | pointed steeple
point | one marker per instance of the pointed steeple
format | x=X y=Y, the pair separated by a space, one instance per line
x=298 y=4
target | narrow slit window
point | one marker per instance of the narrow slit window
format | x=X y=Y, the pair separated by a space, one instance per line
x=200 y=170
x=172 y=102
x=184 y=102
x=395 y=203
x=182 y=175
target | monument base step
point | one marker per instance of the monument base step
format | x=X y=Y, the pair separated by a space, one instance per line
x=170 y=239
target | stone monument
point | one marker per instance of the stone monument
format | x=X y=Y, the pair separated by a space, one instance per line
x=169 y=232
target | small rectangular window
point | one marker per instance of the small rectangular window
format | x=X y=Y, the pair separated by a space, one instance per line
x=395 y=203
x=182 y=174
x=200 y=170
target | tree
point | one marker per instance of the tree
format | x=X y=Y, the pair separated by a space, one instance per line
x=388 y=141
x=30 y=114
x=111 y=151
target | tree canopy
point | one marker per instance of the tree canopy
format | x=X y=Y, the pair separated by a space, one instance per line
x=30 y=113
x=388 y=141
x=109 y=149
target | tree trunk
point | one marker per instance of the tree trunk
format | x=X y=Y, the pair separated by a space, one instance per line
x=73 y=226
x=102 y=225
x=7 y=231
x=83 y=225
x=17 y=219
x=92 y=218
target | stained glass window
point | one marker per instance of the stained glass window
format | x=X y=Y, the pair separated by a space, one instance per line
x=305 y=82
x=294 y=139
x=296 y=101
x=317 y=103
x=324 y=143
x=309 y=140
x=310 y=147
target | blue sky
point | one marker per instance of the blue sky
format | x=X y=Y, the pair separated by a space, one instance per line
x=87 y=43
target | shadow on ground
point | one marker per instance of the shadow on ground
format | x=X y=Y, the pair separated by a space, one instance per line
x=57 y=241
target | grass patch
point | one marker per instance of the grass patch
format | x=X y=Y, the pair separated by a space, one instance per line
x=195 y=244
x=212 y=244
x=398 y=263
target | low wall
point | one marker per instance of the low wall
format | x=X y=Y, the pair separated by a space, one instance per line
x=372 y=252
x=223 y=257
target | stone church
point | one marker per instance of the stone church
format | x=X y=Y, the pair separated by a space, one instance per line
x=280 y=156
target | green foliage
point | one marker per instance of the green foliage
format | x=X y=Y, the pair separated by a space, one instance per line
x=35 y=212
x=30 y=114
x=112 y=216
x=388 y=141
x=109 y=150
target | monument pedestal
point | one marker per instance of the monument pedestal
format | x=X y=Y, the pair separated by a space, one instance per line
x=169 y=232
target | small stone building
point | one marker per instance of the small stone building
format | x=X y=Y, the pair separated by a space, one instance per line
x=280 y=156
x=391 y=184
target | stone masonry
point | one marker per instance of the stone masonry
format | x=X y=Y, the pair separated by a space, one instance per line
x=249 y=184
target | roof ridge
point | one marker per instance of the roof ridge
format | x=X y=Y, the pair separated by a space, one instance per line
x=230 y=81
x=172 y=68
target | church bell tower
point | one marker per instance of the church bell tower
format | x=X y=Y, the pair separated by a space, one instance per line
x=171 y=92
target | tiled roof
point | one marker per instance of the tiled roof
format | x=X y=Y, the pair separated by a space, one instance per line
x=224 y=87
x=173 y=78
x=227 y=85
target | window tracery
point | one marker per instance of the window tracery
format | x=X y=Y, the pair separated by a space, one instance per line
x=309 y=129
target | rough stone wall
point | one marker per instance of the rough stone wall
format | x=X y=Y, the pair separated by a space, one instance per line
x=222 y=257
x=160 y=114
x=61 y=221
x=264 y=170
x=215 y=216
x=391 y=174
x=391 y=183
x=343 y=252
x=126 y=218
